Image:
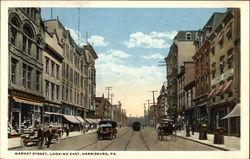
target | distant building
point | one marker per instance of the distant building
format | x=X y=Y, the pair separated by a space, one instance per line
x=181 y=50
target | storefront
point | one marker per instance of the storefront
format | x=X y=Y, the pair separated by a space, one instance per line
x=24 y=114
x=52 y=115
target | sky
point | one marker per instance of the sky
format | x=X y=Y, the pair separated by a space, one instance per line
x=130 y=43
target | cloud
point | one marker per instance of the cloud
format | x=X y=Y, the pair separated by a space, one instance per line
x=152 y=40
x=119 y=53
x=154 y=56
x=94 y=40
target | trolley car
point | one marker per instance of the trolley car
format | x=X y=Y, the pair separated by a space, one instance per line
x=136 y=126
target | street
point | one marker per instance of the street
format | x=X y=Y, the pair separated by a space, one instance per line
x=126 y=140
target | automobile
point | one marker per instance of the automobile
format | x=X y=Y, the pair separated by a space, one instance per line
x=107 y=129
x=136 y=126
x=29 y=135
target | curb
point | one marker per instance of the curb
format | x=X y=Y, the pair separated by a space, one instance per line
x=221 y=148
x=60 y=139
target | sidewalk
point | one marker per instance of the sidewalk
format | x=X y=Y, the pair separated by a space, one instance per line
x=15 y=142
x=231 y=143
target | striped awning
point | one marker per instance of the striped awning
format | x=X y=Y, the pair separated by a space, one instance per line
x=80 y=119
x=234 y=113
x=226 y=86
x=27 y=102
x=72 y=119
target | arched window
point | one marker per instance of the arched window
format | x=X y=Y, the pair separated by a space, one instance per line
x=15 y=25
x=38 y=49
x=27 y=36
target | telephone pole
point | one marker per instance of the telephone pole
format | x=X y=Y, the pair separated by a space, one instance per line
x=148 y=111
x=108 y=88
x=144 y=113
x=154 y=116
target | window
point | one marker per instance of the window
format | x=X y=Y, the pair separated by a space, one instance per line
x=67 y=93
x=70 y=95
x=63 y=69
x=38 y=80
x=57 y=92
x=14 y=32
x=13 y=70
x=188 y=36
x=221 y=40
x=57 y=71
x=52 y=90
x=47 y=89
x=47 y=65
x=24 y=75
x=229 y=32
x=52 y=69
x=27 y=36
x=29 y=77
x=212 y=50
x=230 y=58
x=63 y=92
x=38 y=50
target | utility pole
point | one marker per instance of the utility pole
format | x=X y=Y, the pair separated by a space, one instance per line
x=148 y=111
x=144 y=112
x=112 y=95
x=154 y=116
x=108 y=88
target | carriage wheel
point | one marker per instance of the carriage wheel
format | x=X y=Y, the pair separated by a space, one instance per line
x=111 y=136
x=25 y=143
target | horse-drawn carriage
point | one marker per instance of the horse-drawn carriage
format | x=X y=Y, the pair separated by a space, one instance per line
x=165 y=129
x=31 y=135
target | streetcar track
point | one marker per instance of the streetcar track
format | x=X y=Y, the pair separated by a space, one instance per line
x=144 y=141
x=115 y=140
x=129 y=141
x=97 y=141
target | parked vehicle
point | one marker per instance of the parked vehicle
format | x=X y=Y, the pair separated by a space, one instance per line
x=107 y=129
x=136 y=126
x=31 y=135
x=165 y=129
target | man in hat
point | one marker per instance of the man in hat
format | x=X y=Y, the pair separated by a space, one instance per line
x=41 y=137
x=49 y=136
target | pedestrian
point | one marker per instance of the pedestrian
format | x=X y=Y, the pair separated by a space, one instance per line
x=193 y=128
x=67 y=130
x=49 y=136
x=41 y=137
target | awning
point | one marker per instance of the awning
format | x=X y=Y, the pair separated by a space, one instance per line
x=211 y=93
x=79 y=118
x=226 y=85
x=89 y=121
x=27 y=102
x=72 y=119
x=234 y=113
x=52 y=113
x=218 y=91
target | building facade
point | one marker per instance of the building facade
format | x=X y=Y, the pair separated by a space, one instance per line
x=52 y=79
x=225 y=77
x=181 y=50
x=26 y=42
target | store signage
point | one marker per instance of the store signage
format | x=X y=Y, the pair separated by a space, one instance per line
x=222 y=77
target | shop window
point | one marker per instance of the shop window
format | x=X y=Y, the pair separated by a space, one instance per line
x=13 y=70
x=222 y=96
x=38 y=80
x=230 y=94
